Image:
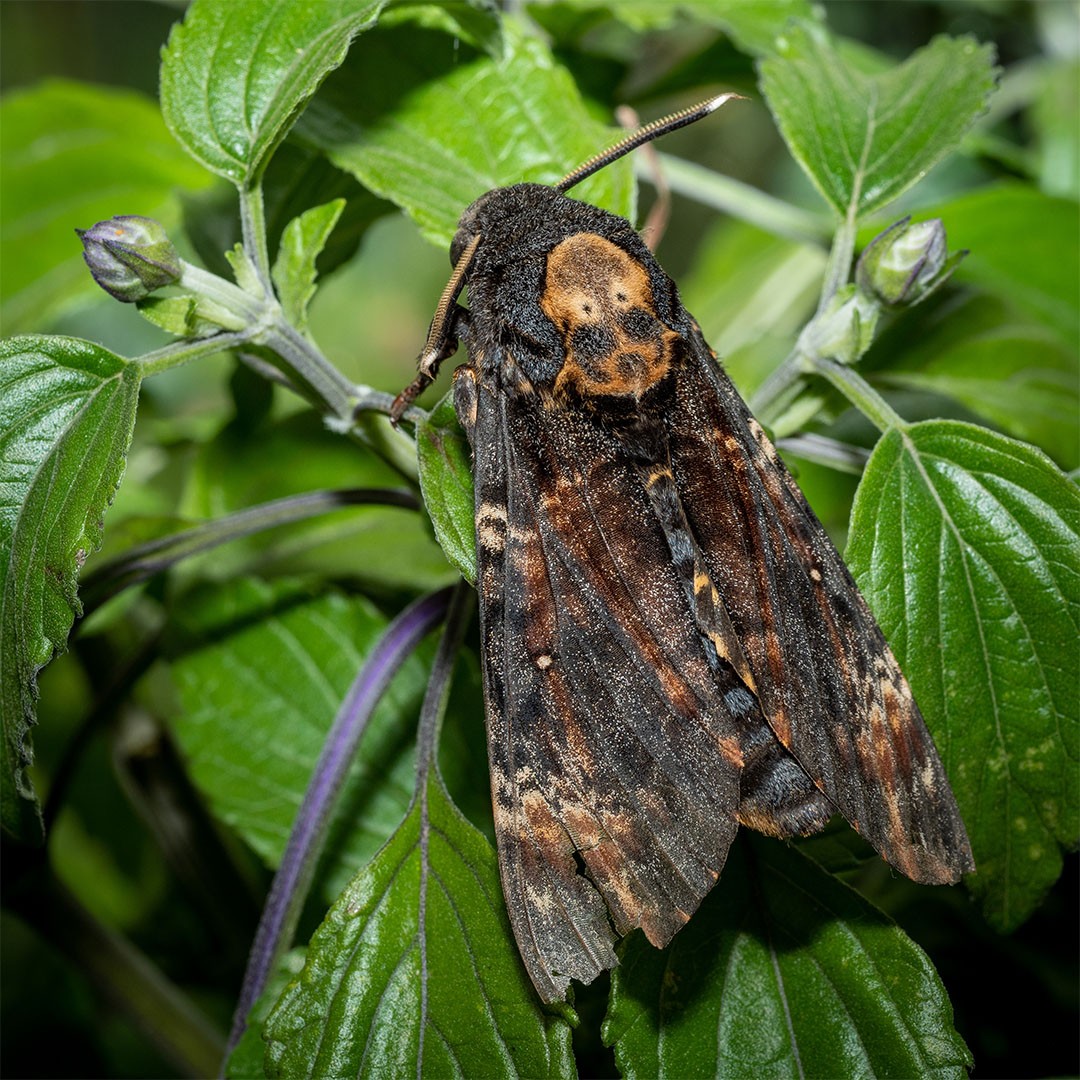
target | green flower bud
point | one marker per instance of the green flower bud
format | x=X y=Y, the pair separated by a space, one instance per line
x=130 y=256
x=906 y=262
x=845 y=329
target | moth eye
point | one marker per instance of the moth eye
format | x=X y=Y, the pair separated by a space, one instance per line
x=621 y=297
x=591 y=342
x=587 y=308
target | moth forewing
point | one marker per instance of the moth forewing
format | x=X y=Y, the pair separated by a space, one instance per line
x=671 y=643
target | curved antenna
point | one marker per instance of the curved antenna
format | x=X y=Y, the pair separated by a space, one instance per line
x=643 y=135
x=441 y=342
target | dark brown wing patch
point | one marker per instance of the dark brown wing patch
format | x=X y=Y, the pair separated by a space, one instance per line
x=827 y=681
x=614 y=762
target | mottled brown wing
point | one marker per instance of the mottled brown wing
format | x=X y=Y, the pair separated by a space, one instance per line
x=614 y=763
x=827 y=682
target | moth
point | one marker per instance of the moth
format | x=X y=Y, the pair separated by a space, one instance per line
x=672 y=646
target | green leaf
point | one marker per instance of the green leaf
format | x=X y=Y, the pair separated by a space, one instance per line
x=65 y=426
x=477 y=22
x=73 y=155
x=447 y=485
x=1015 y=237
x=865 y=138
x=431 y=126
x=985 y=352
x=967 y=546
x=294 y=269
x=753 y=25
x=295 y=180
x=783 y=971
x=260 y=676
x=996 y=380
x=177 y=315
x=414 y=972
x=1018 y=378
x=247 y=1060
x=235 y=76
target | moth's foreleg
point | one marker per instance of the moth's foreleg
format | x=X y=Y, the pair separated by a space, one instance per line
x=442 y=343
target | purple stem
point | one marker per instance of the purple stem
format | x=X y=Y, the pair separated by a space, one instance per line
x=293 y=878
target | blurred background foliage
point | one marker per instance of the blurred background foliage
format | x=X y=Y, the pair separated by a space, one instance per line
x=1015 y=997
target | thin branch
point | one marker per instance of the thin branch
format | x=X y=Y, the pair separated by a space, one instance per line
x=145 y=560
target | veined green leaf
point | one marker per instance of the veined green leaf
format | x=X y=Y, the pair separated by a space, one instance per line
x=967 y=546
x=294 y=269
x=432 y=126
x=782 y=972
x=865 y=138
x=415 y=972
x=447 y=485
x=68 y=410
x=234 y=76
x=261 y=675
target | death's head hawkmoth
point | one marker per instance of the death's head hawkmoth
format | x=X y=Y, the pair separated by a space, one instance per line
x=672 y=645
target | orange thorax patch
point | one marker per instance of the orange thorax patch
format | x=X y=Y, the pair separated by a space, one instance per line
x=601 y=301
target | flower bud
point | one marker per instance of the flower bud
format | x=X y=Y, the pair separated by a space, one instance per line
x=130 y=256
x=845 y=329
x=906 y=262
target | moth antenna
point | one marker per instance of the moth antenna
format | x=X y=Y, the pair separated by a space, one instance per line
x=655 y=226
x=439 y=344
x=644 y=135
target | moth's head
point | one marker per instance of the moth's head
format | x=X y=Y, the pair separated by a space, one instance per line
x=502 y=212
x=470 y=224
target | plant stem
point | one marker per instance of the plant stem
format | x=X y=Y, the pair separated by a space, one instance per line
x=785 y=383
x=293 y=879
x=253 y=226
x=329 y=389
x=743 y=201
x=838 y=268
x=181 y=352
x=308 y=372
x=145 y=560
x=861 y=394
x=251 y=309
x=821 y=450
x=438 y=690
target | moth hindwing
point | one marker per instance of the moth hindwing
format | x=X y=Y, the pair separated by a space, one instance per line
x=671 y=644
